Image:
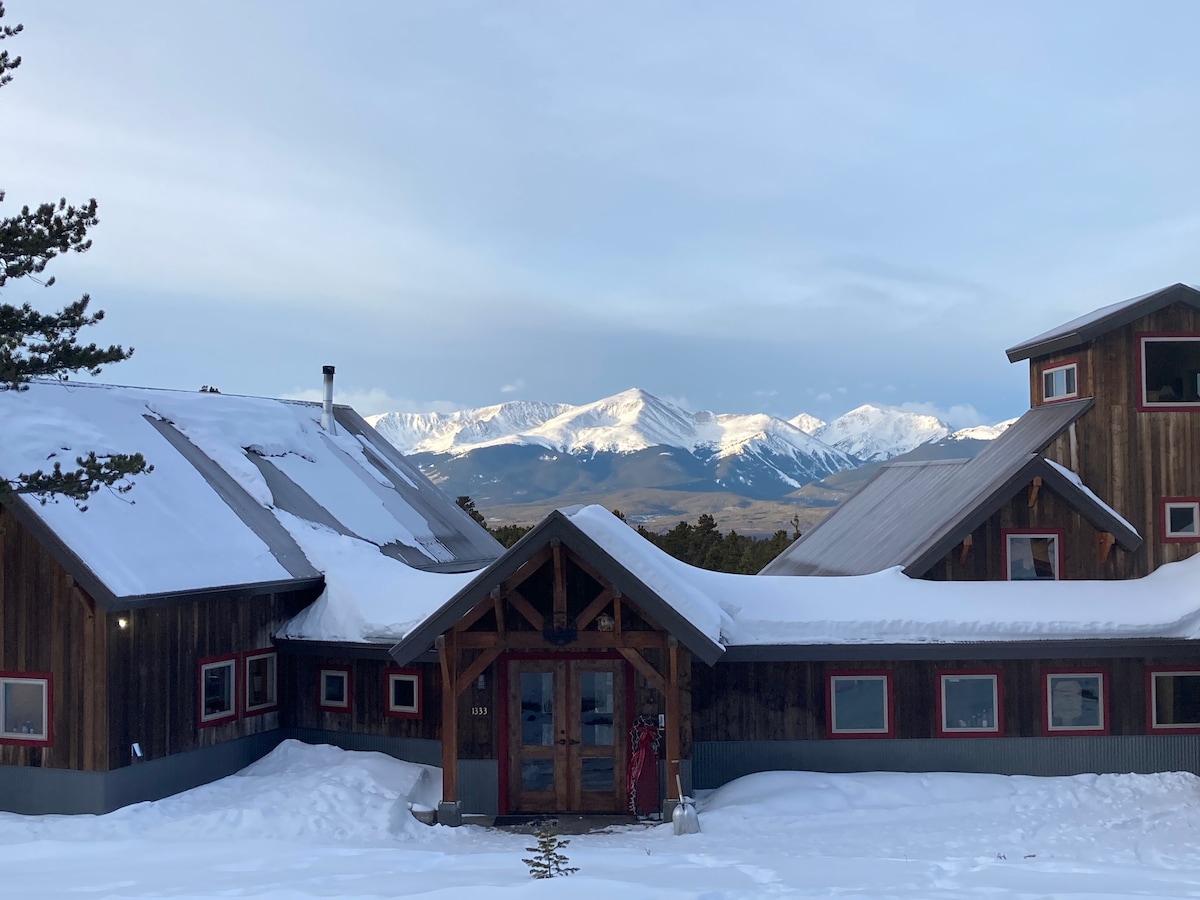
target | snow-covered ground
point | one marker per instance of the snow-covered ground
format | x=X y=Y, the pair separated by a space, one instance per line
x=321 y=822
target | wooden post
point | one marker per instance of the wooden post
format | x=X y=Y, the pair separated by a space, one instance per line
x=559 y=619
x=448 y=657
x=673 y=723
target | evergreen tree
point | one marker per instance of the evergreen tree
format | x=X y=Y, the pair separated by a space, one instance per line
x=33 y=344
x=548 y=860
x=466 y=504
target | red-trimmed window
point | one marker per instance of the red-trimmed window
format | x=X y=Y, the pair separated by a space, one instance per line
x=1074 y=702
x=1173 y=699
x=25 y=708
x=1060 y=381
x=216 y=680
x=1169 y=367
x=1180 y=520
x=334 y=689
x=859 y=704
x=262 y=687
x=969 y=703
x=1028 y=554
x=403 y=692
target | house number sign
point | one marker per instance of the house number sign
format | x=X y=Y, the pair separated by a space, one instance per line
x=479 y=710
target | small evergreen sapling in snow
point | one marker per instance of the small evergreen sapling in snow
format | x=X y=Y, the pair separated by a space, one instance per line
x=548 y=860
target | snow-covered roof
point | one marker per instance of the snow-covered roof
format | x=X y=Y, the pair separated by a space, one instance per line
x=245 y=491
x=1100 y=321
x=730 y=612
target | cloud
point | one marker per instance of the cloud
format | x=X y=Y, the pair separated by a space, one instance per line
x=514 y=387
x=766 y=393
x=890 y=389
x=373 y=401
x=842 y=390
x=824 y=397
x=681 y=402
x=960 y=415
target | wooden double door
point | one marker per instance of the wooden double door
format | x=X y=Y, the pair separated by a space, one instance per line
x=568 y=735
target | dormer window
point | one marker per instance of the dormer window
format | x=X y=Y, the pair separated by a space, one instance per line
x=1032 y=555
x=1060 y=382
x=1170 y=371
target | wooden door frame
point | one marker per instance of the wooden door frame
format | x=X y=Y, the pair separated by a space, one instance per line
x=502 y=689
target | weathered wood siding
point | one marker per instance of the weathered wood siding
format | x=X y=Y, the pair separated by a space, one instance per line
x=785 y=701
x=153 y=678
x=368 y=707
x=1130 y=458
x=47 y=624
x=984 y=561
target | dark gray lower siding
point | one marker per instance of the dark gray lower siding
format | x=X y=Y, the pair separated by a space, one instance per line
x=716 y=762
x=34 y=791
x=37 y=791
x=479 y=786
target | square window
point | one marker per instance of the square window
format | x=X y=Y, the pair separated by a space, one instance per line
x=334 y=689
x=1170 y=370
x=968 y=703
x=860 y=704
x=1075 y=702
x=261 y=690
x=1032 y=556
x=1059 y=382
x=217 y=690
x=403 y=694
x=1181 y=519
x=25 y=708
x=1175 y=699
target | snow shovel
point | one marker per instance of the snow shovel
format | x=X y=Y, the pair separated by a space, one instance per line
x=684 y=819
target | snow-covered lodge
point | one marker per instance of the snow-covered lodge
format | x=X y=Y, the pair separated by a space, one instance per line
x=282 y=576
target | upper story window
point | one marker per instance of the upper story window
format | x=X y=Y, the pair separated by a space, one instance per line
x=218 y=690
x=1181 y=519
x=1032 y=555
x=1060 y=382
x=1170 y=371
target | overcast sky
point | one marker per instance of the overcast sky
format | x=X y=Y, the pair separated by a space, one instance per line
x=776 y=207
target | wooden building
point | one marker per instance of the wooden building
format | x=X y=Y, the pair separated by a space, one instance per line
x=138 y=651
x=283 y=578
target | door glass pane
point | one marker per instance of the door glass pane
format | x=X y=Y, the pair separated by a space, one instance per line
x=537 y=774
x=597 y=773
x=596 y=708
x=537 y=709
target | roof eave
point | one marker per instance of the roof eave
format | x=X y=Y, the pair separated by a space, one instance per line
x=1068 y=648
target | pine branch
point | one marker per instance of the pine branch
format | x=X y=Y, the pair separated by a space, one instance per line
x=30 y=239
x=94 y=472
x=7 y=63
x=33 y=344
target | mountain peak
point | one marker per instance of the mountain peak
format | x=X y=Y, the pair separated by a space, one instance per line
x=874 y=433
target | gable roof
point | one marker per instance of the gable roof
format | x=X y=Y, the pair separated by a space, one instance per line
x=631 y=564
x=1088 y=327
x=240 y=486
x=911 y=514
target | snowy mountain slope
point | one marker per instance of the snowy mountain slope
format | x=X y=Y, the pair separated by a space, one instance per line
x=873 y=434
x=981 y=432
x=627 y=422
x=806 y=423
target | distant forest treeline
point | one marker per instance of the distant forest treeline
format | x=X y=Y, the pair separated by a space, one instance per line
x=701 y=545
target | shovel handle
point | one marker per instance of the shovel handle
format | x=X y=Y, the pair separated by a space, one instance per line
x=679 y=785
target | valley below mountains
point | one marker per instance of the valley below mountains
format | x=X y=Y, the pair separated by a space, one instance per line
x=659 y=463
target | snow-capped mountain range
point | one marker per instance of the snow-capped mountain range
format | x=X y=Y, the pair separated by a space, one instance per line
x=639 y=438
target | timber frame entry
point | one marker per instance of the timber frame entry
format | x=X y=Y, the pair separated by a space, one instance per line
x=547 y=617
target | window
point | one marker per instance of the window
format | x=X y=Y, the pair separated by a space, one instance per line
x=403 y=693
x=334 y=689
x=218 y=693
x=1174 y=699
x=968 y=703
x=1059 y=382
x=1170 y=367
x=859 y=704
x=1181 y=519
x=261 y=691
x=1075 y=702
x=1032 y=555
x=25 y=708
